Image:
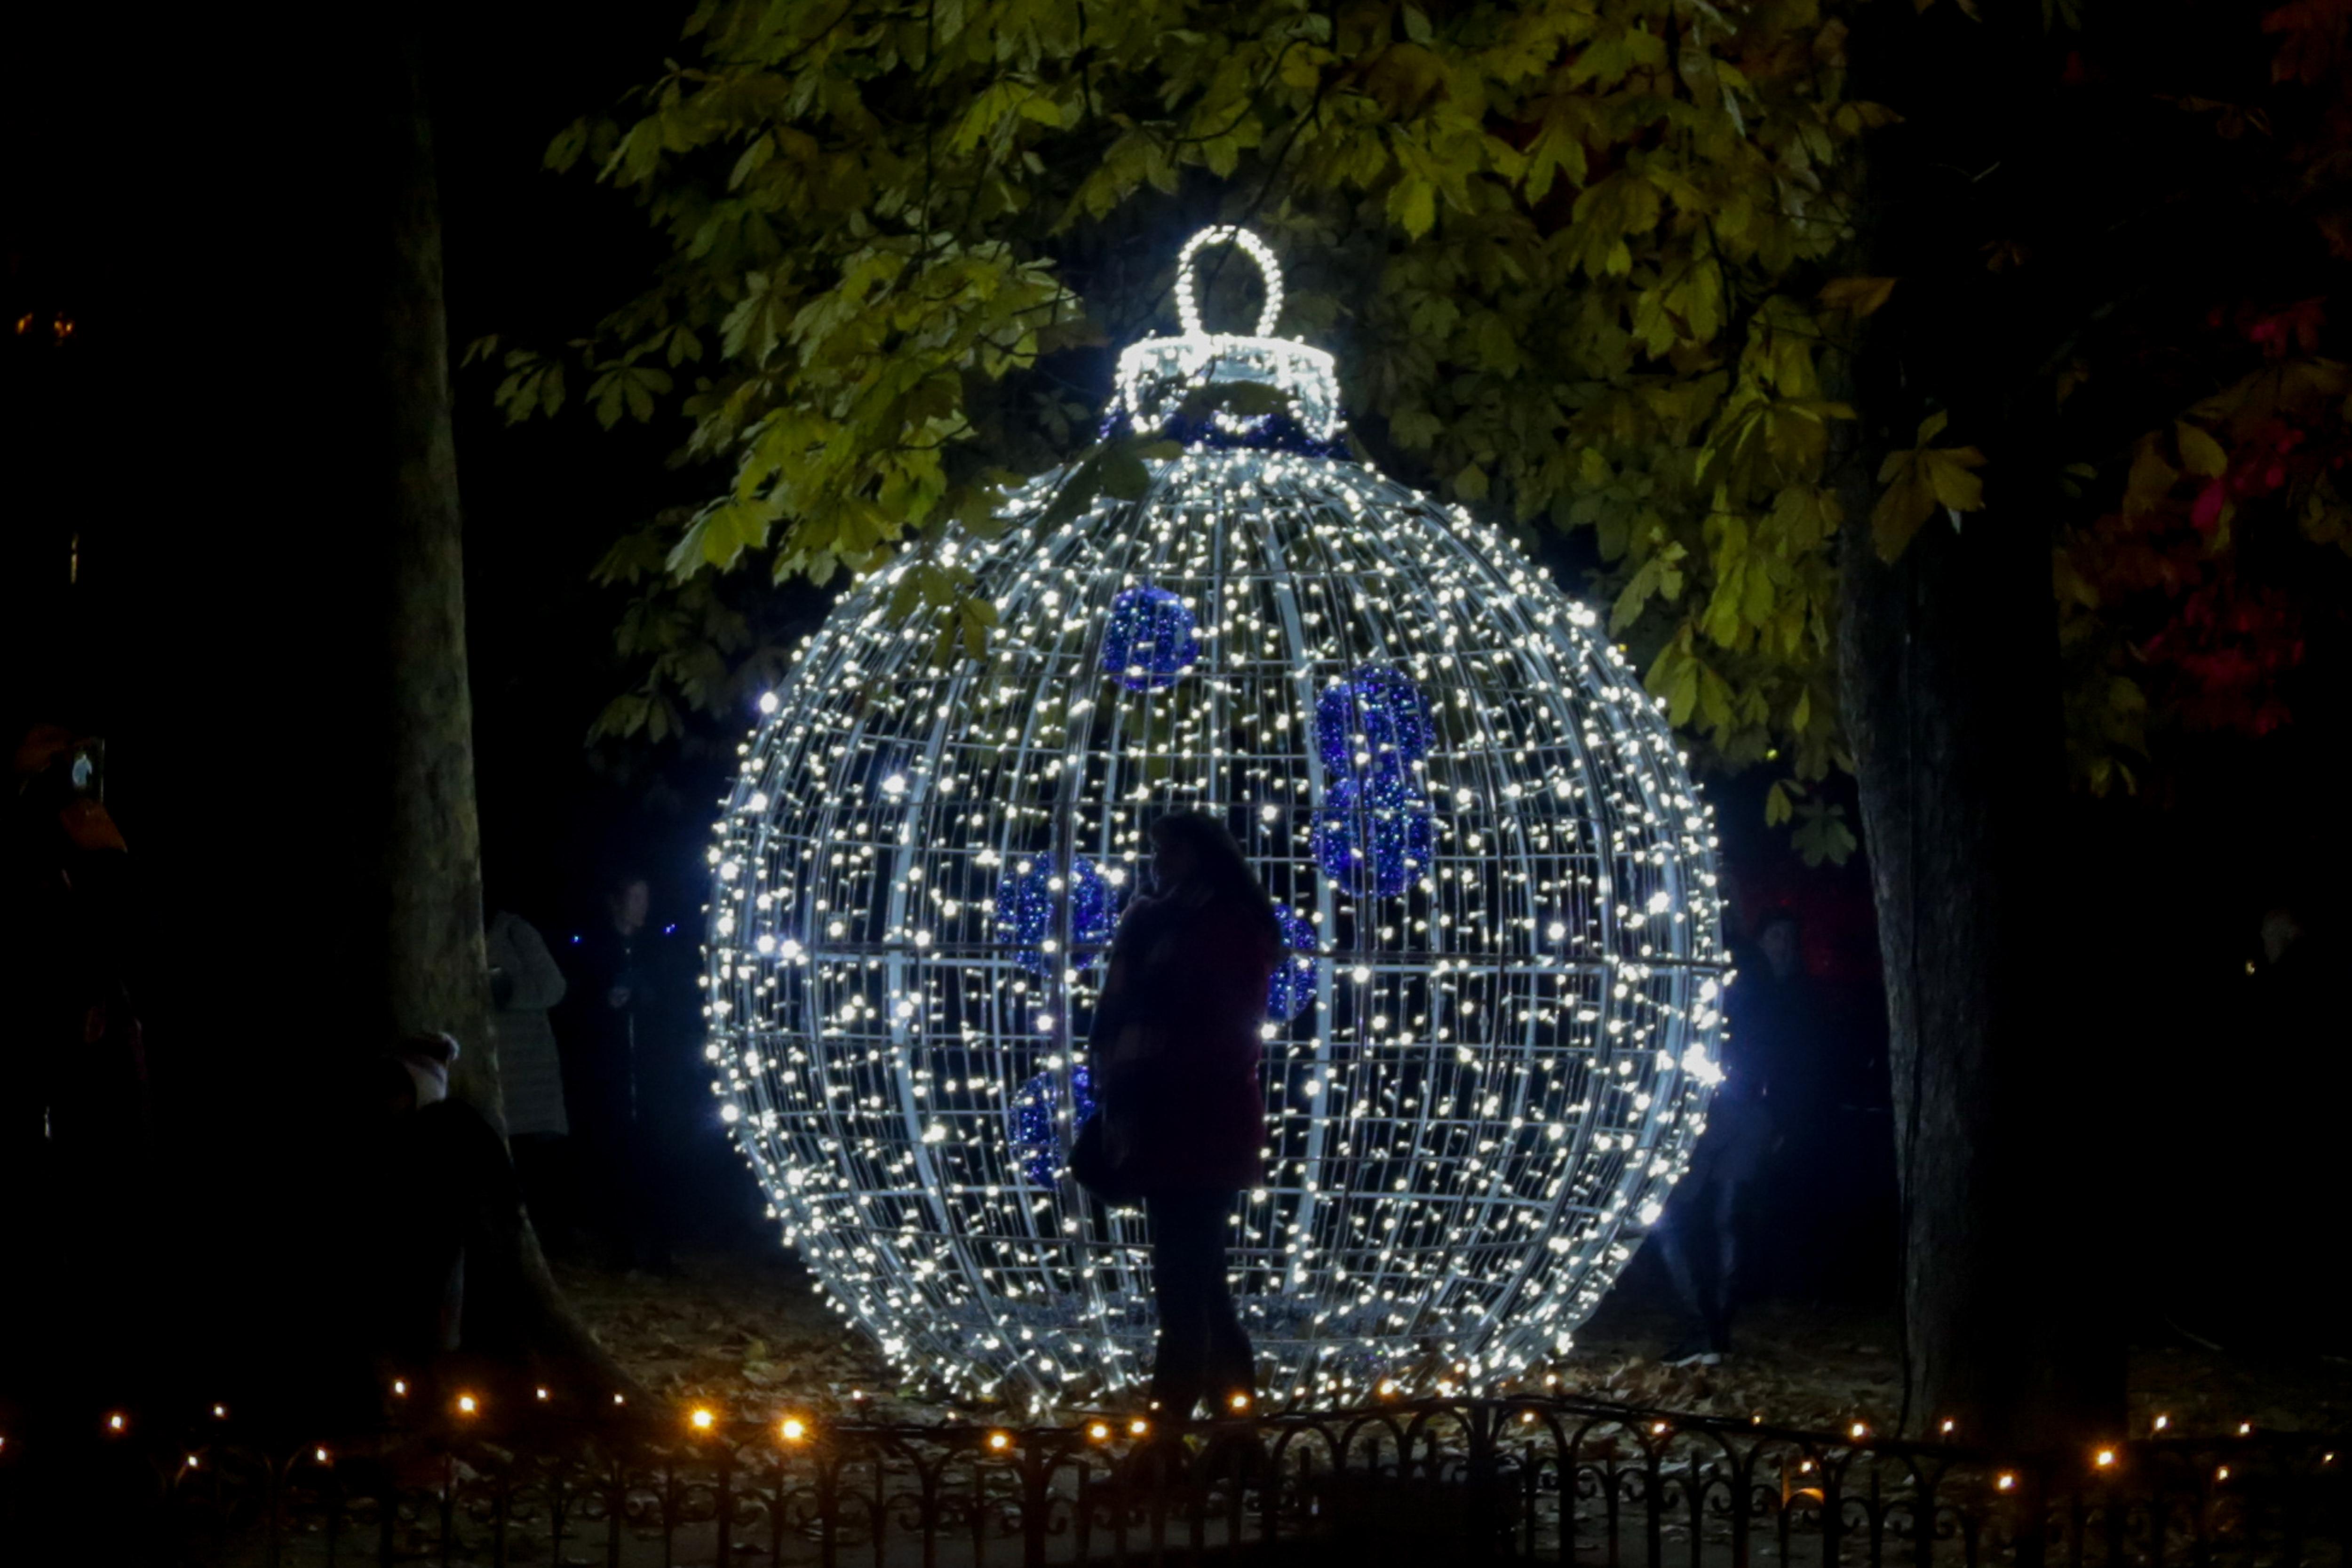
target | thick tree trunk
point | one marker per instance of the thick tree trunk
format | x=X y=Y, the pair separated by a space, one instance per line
x=1948 y=665
x=429 y=881
x=422 y=900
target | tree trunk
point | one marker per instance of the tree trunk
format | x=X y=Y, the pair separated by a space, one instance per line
x=422 y=900
x=1949 y=667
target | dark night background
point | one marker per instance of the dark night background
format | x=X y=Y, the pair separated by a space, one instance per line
x=171 y=190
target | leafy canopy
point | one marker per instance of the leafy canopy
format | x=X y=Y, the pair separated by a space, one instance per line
x=1573 y=255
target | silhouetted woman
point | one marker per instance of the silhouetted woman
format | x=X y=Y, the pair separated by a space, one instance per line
x=1177 y=1043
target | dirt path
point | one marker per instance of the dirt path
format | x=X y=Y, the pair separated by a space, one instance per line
x=749 y=1333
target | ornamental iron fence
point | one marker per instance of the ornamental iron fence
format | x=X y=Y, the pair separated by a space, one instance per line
x=1538 y=1479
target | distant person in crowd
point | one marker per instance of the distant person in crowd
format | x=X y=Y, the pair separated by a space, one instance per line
x=2285 y=1121
x=1177 y=1043
x=1770 y=1064
x=632 y=1063
x=2281 y=935
x=78 y=1075
x=524 y=983
x=2292 y=1001
x=77 y=1197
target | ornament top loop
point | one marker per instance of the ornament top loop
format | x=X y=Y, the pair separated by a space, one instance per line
x=1187 y=301
x=1157 y=375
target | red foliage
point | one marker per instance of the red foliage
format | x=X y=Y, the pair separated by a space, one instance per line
x=2311 y=40
x=2294 y=328
x=2231 y=644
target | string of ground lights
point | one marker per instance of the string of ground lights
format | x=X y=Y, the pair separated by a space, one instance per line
x=1490 y=1048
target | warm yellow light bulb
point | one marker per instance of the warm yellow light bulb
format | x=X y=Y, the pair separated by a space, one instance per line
x=793 y=1429
x=466 y=1404
x=701 y=1420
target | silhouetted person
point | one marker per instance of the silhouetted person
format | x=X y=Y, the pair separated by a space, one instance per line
x=1177 y=1044
x=74 y=1082
x=2284 y=1120
x=1775 y=1021
x=76 y=1199
x=627 y=1074
x=440 y=1219
x=524 y=983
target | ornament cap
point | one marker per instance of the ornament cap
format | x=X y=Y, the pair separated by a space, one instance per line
x=1157 y=375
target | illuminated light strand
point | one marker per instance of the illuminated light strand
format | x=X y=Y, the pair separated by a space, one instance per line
x=1490 y=1066
x=1156 y=375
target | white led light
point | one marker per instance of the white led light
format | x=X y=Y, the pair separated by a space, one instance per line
x=1156 y=375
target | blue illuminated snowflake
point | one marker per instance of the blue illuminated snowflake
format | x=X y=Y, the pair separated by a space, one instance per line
x=1378 y=709
x=1292 y=986
x=1028 y=908
x=1149 y=640
x=1374 y=838
x=1037 y=1141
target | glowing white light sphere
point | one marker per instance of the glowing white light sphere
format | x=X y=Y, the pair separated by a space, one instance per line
x=1490 y=1052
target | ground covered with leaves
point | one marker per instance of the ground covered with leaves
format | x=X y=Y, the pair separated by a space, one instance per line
x=747 y=1332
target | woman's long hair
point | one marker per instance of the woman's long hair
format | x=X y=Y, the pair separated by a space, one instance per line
x=1221 y=865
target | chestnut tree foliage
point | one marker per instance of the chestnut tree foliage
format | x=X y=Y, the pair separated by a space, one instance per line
x=1587 y=265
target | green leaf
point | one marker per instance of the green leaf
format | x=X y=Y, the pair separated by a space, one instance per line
x=1822 y=834
x=2200 y=453
x=1918 y=481
x=1412 y=206
x=1858 y=297
x=1124 y=475
x=2151 y=479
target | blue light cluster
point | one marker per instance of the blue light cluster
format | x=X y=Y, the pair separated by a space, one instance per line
x=1027 y=908
x=1379 y=709
x=1374 y=836
x=1373 y=831
x=1149 y=640
x=1037 y=1133
x=1292 y=990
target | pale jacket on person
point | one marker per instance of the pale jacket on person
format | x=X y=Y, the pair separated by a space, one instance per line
x=531 y=1073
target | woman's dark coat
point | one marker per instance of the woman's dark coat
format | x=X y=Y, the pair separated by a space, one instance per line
x=1177 y=1043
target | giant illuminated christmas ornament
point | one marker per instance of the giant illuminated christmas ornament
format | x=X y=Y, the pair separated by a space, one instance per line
x=1490 y=1048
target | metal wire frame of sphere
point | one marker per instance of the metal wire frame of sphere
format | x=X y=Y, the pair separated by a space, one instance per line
x=1501 y=1068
